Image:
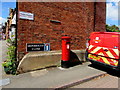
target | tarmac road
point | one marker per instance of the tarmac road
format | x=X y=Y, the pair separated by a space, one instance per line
x=3 y=50
x=103 y=82
x=3 y=54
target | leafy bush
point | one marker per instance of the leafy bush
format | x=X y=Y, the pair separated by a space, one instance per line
x=11 y=42
x=10 y=65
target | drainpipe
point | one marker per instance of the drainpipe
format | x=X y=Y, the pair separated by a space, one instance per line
x=16 y=28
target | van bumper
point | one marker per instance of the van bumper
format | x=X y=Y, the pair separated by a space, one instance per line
x=104 y=64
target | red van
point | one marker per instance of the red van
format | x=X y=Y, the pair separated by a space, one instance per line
x=103 y=48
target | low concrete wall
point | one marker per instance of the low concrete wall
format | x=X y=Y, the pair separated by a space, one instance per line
x=38 y=60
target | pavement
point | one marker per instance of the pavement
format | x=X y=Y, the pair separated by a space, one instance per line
x=54 y=77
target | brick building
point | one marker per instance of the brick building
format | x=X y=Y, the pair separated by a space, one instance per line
x=52 y=20
x=8 y=29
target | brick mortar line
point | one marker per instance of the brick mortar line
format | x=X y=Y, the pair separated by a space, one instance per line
x=79 y=81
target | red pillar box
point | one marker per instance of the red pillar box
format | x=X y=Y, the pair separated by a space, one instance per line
x=65 y=51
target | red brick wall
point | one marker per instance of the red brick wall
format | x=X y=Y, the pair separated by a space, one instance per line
x=77 y=21
x=100 y=16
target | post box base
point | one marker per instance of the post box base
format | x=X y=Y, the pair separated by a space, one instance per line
x=65 y=64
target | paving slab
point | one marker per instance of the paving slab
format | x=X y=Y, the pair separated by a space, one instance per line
x=4 y=82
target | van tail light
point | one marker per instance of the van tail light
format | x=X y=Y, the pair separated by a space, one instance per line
x=87 y=43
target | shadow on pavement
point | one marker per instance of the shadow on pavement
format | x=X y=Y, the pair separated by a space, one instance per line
x=106 y=69
x=74 y=60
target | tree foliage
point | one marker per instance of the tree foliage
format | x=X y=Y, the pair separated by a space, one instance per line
x=112 y=28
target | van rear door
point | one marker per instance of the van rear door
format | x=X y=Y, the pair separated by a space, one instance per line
x=111 y=45
x=104 y=48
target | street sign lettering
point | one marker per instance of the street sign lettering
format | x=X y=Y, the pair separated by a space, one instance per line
x=37 y=47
